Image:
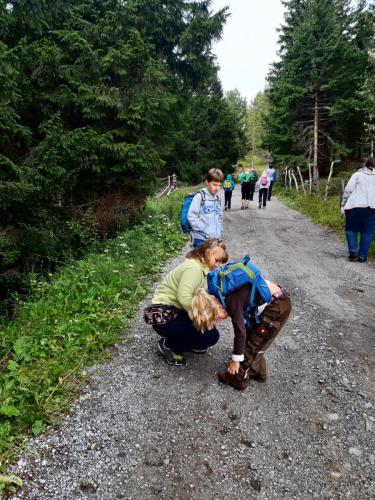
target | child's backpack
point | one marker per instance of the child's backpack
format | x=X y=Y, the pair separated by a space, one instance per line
x=224 y=280
x=227 y=184
x=184 y=223
x=263 y=180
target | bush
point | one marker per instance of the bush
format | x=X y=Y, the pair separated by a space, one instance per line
x=70 y=318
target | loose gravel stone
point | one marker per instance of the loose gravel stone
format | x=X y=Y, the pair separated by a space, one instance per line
x=145 y=430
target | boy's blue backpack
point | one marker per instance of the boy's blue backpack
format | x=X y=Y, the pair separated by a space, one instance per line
x=184 y=223
x=224 y=280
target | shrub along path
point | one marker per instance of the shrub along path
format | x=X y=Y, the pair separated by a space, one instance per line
x=145 y=430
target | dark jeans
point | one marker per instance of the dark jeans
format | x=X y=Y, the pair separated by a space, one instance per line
x=181 y=335
x=251 y=192
x=263 y=196
x=197 y=242
x=362 y=221
x=270 y=191
x=228 y=198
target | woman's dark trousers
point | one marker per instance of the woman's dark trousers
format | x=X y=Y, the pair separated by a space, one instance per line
x=228 y=198
x=362 y=221
x=181 y=335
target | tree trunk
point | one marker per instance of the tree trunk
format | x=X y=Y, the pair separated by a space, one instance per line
x=316 y=144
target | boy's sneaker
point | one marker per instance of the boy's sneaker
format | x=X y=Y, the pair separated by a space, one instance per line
x=169 y=356
x=353 y=256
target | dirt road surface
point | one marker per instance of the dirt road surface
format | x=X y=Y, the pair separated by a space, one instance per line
x=146 y=430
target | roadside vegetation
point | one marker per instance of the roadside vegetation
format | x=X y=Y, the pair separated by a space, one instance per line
x=69 y=320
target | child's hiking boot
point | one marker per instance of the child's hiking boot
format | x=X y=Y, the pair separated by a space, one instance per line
x=353 y=256
x=169 y=356
x=239 y=381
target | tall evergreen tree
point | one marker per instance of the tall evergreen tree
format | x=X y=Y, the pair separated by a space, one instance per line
x=313 y=88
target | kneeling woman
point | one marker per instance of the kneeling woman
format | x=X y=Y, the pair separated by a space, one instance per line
x=251 y=339
x=170 y=311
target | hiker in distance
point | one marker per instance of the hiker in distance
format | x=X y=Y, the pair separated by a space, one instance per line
x=245 y=180
x=253 y=181
x=255 y=326
x=205 y=213
x=171 y=308
x=228 y=187
x=264 y=183
x=271 y=174
x=358 y=206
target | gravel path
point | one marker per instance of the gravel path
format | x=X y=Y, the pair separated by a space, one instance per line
x=145 y=430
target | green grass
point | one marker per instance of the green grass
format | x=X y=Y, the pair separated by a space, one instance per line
x=325 y=213
x=69 y=320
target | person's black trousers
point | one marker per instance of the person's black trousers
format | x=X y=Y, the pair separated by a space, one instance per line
x=263 y=196
x=228 y=198
x=181 y=335
x=270 y=191
x=252 y=189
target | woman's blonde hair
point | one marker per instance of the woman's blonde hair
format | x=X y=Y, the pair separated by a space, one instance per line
x=201 y=253
x=204 y=310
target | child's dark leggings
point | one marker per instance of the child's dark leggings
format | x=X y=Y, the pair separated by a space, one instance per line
x=263 y=196
x=181 y=335
x=228 y=198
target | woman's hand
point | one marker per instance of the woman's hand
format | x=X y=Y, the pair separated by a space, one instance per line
x=233 y=367
x=221 y=312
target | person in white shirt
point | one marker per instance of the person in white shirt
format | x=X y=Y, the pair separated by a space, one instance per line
x=358 y=206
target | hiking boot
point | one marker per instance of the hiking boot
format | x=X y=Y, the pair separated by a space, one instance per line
x=199 y=351
x=362 y=259
x=239 y=381
x=353 y=256
x=169 y=356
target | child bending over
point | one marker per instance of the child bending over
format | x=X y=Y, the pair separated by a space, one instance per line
x=251 y=339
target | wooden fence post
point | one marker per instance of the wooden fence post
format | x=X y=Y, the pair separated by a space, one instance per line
x=302 y=183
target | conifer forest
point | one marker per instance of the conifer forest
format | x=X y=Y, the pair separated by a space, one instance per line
x=102 y=98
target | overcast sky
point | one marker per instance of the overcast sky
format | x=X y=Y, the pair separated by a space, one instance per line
x=249 y=43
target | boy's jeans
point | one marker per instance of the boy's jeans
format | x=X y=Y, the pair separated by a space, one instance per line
x=360 y=220
x=181 y=335
x=197 y=242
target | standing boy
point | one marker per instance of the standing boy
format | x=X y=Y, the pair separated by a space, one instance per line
x=228 y=190
x=205 y=214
